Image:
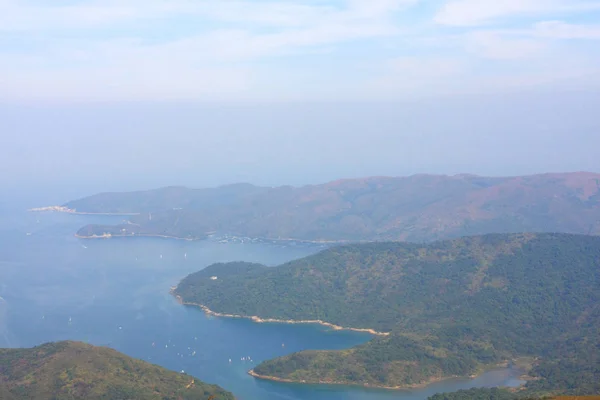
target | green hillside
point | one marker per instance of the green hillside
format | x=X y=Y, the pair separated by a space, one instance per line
x=478 y=394
x=71 y=370
x=501 y=394
x=452 y=308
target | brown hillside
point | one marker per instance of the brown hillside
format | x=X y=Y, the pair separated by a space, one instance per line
x=415 y=208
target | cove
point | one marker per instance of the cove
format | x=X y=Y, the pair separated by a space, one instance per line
x=116 y=293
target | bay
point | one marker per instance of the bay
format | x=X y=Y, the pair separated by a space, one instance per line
x=115 y=293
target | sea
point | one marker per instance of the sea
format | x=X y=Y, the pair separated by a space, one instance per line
x=115 y=293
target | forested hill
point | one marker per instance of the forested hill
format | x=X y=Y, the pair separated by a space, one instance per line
x=451 y=307
x=417 y=208
x=71 y=370
x=501 y=394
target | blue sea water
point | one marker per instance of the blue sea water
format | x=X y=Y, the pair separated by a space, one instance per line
x=115 y=293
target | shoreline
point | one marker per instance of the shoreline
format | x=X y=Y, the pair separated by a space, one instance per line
x=110 y=236
x=318 y=241
x=260 y=239
x=367 y=386
x=479 y=372
x=260 y=320
x=67 y=210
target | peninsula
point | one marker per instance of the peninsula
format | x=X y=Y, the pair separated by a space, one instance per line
x=73 y=370
x=452 y=308
x=417 y=208
x=260 y=320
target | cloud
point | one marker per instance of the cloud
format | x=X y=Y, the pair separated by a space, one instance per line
x=14 y=16
x=205 y=64
x=480 y=12
x=242 y=49
x=562 y=30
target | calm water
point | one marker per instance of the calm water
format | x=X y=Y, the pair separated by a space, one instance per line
x=115 y=293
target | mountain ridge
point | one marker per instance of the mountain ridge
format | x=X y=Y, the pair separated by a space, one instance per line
x=417 y=208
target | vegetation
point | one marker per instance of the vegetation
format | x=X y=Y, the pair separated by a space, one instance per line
x=160 y=228
x=477 y=394
x=418 y=208
x=575 y=367
x=71 y=370
x=452 y=308
x=502 y=394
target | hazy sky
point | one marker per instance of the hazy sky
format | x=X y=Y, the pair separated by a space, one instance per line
x=291 y=49
x=118 y=94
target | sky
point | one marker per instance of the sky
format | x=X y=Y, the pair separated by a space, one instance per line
x=291 y=49
x=131 y=94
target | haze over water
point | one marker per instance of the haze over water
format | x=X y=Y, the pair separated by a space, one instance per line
x=116 y=293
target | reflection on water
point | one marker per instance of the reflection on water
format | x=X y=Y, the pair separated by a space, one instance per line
x=115 y=293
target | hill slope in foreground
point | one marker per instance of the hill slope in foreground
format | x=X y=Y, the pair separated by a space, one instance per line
x=500 y=394
x=417 y=208
x=71 y=370
x=451 y=308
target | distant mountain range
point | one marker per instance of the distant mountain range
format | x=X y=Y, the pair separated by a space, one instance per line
x=452 y=308
x=73 y=370
x=416 y=208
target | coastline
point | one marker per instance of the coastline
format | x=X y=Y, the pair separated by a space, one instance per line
x=109 y=236
x=67 y=210
x=261 y=239
x=480 y=371
x=260 y=320
x=256 y=319
x=318 y=241
x=364 y=385
x=107 y=214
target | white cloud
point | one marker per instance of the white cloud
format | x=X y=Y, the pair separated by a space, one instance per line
x=204 y=65
x=101 y=13
x=479 y=12
x=562 y=30
x=134 y=49
x=15 y=16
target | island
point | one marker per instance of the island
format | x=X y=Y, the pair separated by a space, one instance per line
x=416 y=209
x=74 y=370
x=445 y=309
